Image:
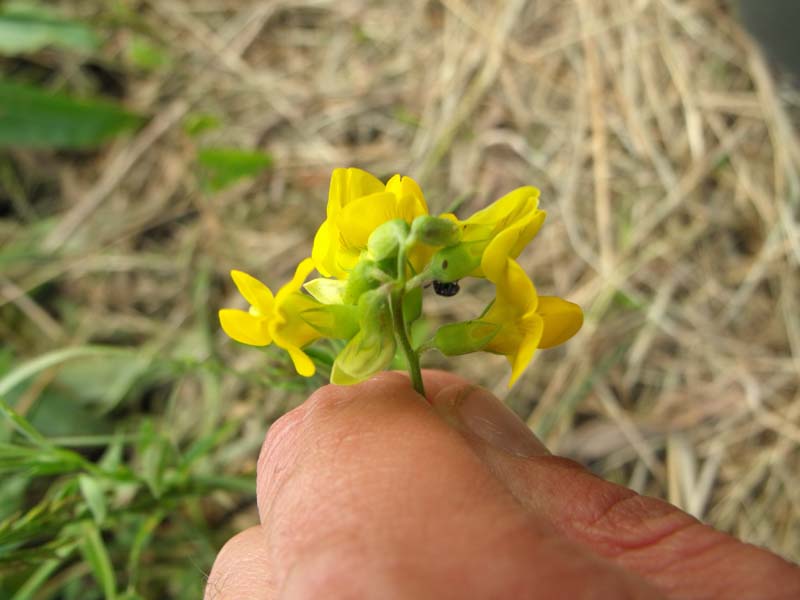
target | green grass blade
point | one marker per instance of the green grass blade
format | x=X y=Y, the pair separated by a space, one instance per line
x=96 y=555
x=27 y=370
x=42 y=574
x=95 y=497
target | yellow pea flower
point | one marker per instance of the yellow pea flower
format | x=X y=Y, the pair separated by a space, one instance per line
x=357 y=204
x=526 y=320
x=515 y=214
x=282 y=318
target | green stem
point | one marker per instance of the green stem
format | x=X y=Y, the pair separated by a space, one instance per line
x=400 y=329
x=405 y=344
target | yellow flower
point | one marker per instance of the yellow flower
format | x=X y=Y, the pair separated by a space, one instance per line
x=516 y=214
x=527 y=321
x=357 y=204
x=277 y=319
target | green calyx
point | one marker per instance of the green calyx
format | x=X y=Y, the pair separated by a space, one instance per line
x=373 y=347
x=463 y=338
x=456 y=262
x=386 y=240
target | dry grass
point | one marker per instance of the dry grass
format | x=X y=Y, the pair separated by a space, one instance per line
x=668 y=160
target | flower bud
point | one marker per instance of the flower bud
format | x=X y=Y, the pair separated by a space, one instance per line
x=360 y=280
x=456 y=262
x=435 y=231
x=385 y=240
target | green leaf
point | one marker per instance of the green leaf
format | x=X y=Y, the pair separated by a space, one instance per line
x=28 y=28
x=96 y=554
x=32 y=117
x=95 y=497
x=222 y=167
x=462 y=338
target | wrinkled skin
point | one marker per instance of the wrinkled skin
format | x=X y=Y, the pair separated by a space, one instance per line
x=369 y=491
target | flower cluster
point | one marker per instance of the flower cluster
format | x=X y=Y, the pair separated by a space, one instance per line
x=376 y=250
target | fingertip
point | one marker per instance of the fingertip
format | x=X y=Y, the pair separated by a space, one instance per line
x=242 y=569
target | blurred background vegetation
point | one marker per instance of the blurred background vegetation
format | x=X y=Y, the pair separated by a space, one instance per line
x=148 y=147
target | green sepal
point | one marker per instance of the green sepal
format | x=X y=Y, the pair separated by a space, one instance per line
x=337 y=321
x=327 y=291
x=456 y=262
x=465 y=337
x=373 y=347
x=386 y=239
x=360 y=280
x=435 y=231
x=412 y=305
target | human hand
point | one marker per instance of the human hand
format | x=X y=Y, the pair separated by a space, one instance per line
x=370 y=492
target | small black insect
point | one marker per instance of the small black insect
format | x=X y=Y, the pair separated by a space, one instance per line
x=446 y=289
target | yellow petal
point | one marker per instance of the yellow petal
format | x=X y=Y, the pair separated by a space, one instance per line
x=302 y=363
x=508 y=209
x=511 y=240
x=300 y=273
x=348 y=185
x=324 y=250
x=526 y=231
x=346 y=260
x=360 y=217
x=255 y=292
x=531 y=337
x=405 y=187
x=513 y=287
x=562 y=319
x=244 y=327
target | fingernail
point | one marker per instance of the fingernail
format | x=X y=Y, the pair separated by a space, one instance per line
x=479 y=412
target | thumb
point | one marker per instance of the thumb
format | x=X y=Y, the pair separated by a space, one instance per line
x=668 y=547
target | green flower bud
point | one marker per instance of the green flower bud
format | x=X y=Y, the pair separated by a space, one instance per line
x=465 y=337
x=373 y=347
x=435 y=231
x=360 y=280
x=385 y=240
x=456 y=262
